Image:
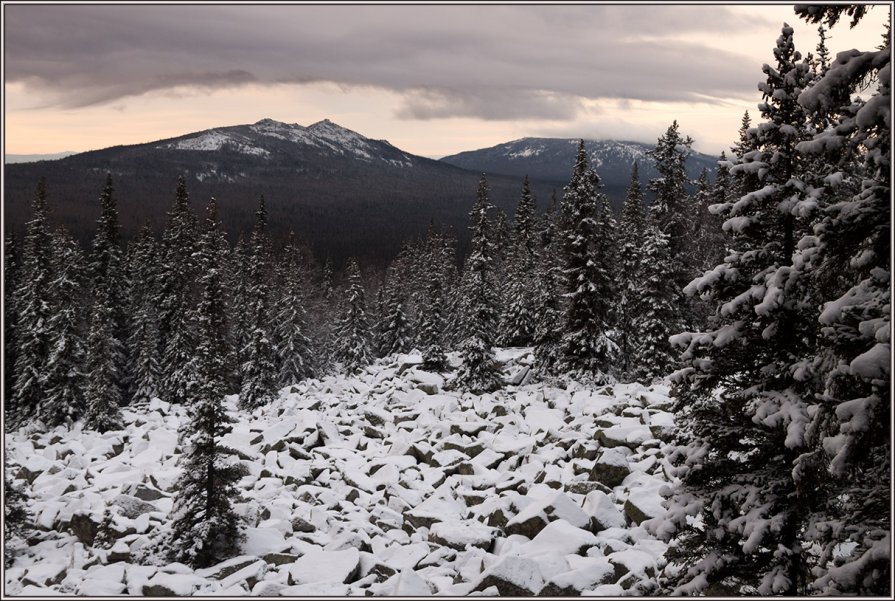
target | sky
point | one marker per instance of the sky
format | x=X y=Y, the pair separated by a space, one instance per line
x=433 y=80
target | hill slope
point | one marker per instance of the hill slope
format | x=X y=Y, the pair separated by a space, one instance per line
x=380 y=483
x=550 y=159
x=344 y=193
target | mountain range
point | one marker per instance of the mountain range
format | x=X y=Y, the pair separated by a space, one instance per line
x=343 y=193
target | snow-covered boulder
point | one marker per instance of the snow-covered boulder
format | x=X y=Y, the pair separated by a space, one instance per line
x=611 y=467
x=512 y=577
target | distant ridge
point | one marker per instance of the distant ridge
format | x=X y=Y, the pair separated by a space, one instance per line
x=344 y=193
x=550 y=159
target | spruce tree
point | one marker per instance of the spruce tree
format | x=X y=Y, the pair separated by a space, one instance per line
x=631 y=234
x=517 y=322
x=143 y=339
x=107 y=270
x=478 y=373
x=587 y=349
x=16 y=519
x=395 y=328
x=672 y=210
x=380 y=313
x=848 y=255
x=33 y=305
x=63 y=401
x=745 y=181
x=205 y=529
x=240 y=323
x=743 y=395
x=293 y=346
x=11 y=252
x=353 y=330
x=432 y=310
x=258 y=367
x=652 y=355
x=103 y=394
x=550 y=282
x=176 y=298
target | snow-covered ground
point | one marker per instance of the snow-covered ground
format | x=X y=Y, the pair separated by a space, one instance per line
x=380 y=483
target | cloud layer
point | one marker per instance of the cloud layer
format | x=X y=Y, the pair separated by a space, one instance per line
x=487 y=62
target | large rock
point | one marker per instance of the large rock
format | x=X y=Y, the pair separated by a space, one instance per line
x=513 y=577
x=45 y=574
x=602 y=511
x=624 y=436
x=84 y=528
x=302 y=525
x=342 y=567
x=228 y=567
x=540 y=512
x=278 y=559
x=143 y=492
x=611 y=467
x=583 y=487
x=462 y=534
x=132 y=507
x=586 y=573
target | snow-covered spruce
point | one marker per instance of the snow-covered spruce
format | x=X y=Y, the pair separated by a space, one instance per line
x=586 y=239
x=204 y=527
x=353 y=331
x=478 y=373
x=378 y=483
x=258 y=369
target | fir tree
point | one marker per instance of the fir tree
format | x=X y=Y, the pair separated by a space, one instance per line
x=631 y=233
x=381 y=315
x=745 y=180
x=107 y=270
x=518 y=318
x=431 y=337
x=293 y=346
x=671 y=210
x=143 y=339
x=353 y=331
x=654 y=322
x=11 y=284
x=744 y=394
x=15 y=519
x=848 y=254
x=63 y=401
x=477 y=372
x=586 y=348
x=258 y=367
x=176 y=298
x=395 y=330
x=33 y=305
x=103 y=394
x=240 y=327
x=550 y=281
x=205 y=527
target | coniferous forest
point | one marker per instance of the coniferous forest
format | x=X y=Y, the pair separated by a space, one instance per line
x=750 y=307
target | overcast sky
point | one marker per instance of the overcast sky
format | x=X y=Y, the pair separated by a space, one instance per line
x=433 y=80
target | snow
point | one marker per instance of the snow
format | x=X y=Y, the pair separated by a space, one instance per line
x=462 y=533
x=263 y=540
x=559 y=538
x=324 y=566
x=523 y=572
x=214 y=140
x=425 y=501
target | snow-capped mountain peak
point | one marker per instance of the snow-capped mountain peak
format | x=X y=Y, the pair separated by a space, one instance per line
x=265 y=139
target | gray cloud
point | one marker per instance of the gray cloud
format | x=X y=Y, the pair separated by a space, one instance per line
x=491 y=62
